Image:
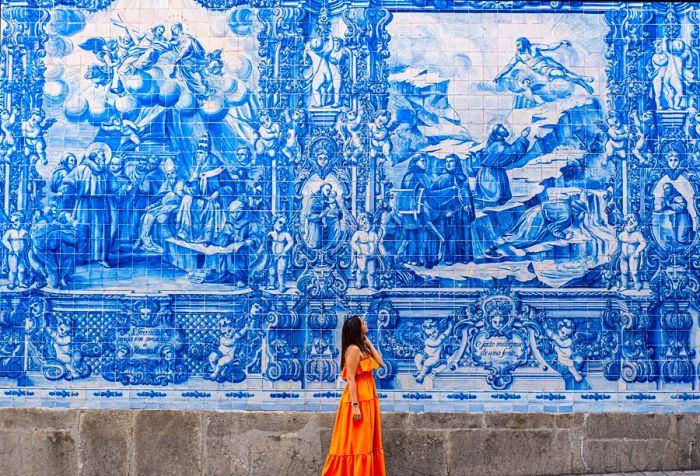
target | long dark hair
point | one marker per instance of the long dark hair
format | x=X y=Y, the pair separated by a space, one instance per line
x=352 y=334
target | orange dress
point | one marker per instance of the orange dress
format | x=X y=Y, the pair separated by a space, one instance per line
x=356 y=446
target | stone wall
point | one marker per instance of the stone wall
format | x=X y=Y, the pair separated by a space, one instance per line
x=144 y=442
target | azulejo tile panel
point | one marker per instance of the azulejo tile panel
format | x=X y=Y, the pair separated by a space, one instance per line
x=196 y=194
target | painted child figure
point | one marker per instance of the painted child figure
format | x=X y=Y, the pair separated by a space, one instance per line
x=61 y=343
x=364 y=244
x=429 y=358
x=33 y=132
x=7 y=142
x=331 y=209
x=16 y=243
x=380 y=142
x=226 y=352
x=616 y=145
x=270 y=135
x=632 y=244
x=564 y=346
x=280 y=244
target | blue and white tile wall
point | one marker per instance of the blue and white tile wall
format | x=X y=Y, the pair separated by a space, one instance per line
x=196 y=194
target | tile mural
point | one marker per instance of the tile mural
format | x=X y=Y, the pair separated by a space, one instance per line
x=196 y=194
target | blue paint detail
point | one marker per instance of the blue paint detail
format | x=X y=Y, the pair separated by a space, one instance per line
x=108 y=394
x=18 y=393
x=239 y=395
x=417 y=396
x=685 y=397
x=506 y=396
x=63 y=394
x=284 y=395
x=196 y=394
x=550 y=396
x=596 y=396
x=173 y=215
x=151 y=394
x=640 y=397
x=461 y=396
x=327 y=395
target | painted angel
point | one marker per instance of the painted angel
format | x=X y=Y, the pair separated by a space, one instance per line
x=33 y=130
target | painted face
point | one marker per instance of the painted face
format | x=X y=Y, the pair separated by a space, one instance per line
x=201 y=155
x=673 y=160
x=255 y=310
x=364 y=222
x=631 y=224
x=668 y=190
x=421 y=163
x=520 y=45
x=236 y=210
x=564 y=332
x=71 y=162
x=243 y=155
x=498 y=320
x=63 y=329
x=115 y=166
x=280 y=224
x=450 y=164
x=326 y=190
x=159 y=30
x=15 y=222
x=322 y=157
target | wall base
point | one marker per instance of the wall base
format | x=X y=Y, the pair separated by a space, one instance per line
x=139 y=442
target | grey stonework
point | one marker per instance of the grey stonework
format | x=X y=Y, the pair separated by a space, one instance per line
x=149 y=442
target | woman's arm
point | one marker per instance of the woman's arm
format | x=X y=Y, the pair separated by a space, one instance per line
x=375 y=353
x=352 y=361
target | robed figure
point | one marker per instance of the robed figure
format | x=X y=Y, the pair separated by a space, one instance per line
x=452 y=199
x=672 y=222
x=87 y=184
x=492 y=186
x=241 y=235
x=417 y=180
x=206 y=193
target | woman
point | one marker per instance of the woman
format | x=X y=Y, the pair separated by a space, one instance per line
x=356 y=446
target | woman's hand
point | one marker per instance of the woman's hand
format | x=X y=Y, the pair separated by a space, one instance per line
x=356 y=413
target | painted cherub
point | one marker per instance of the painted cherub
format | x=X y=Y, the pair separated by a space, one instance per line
x=364 y=244
x=564 y=346
x=644 y=127
x=61 y=343
x=274 y=254
x=353 y=148
x=270 y=135
x=124 y=127
x=7 y=141
x=632 y=244
x=433 y=344
x=296 y=127
x=33 y=130
x=380 y=140
x=617 y=140
x=16 y=243
x=228 y=342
